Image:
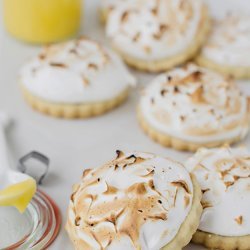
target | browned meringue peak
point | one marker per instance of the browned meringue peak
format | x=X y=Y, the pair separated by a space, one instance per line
x=168 y=21
x=230 y=170
x=199 y=80
x=70 y=54
x=123 y=196
x=59 y=55
x=229 y=41
x=192 y=101
x=154 y=29
x=224 y=176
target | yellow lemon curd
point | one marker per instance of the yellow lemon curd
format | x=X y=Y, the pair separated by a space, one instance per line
x=18 y=195
x=42 y=21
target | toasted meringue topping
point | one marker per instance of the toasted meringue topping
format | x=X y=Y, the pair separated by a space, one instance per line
x=224 y=176
x=74 y=72
x=153 y=30
x=229 y=41
x=110 y=4
x=196 y=105
x=137 y=201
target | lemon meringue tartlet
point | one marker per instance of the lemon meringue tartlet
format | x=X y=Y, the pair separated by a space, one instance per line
x=137 y=201
x=226 y=48
x=190 y=107
x=76 y=79
x=158 y=35
x=224 y=177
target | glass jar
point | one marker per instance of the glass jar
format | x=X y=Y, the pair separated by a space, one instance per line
x=42 y=21
x=35 y=229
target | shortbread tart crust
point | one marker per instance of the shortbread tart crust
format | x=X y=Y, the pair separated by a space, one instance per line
x=237 y=72
x=176 y=143
x=73 y=111
x=165 y=64
x=214 y=241
x=103 y=15
x=186 y=231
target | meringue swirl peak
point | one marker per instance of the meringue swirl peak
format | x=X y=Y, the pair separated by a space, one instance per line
x=130 y=203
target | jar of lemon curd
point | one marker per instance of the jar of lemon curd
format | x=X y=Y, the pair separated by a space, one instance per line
x=42 y=21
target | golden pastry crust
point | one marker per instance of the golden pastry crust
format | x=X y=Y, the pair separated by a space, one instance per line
x=103 y=15
x=176 y=143
x=236 y=72
x=73 y=111
x=214 y=241
x=165 y=64
x=184 y=235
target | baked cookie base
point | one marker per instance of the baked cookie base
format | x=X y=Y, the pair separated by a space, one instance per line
x=237 y=72
x=214 y=241
x=184 y=235
x=103 y=15
x=73 y=111
x=176 y=143
x=190 y=225
x=165 y=64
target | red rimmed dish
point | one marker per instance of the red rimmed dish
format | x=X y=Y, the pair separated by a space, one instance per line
x=35 y=229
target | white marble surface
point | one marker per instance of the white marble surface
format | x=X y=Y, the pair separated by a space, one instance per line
x=75 y=145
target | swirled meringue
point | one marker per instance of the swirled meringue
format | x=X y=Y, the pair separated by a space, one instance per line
x=229 y=41
x=195 y=105
x=154 y=30
x=110 y=4
x=77 y=71
x=224 y=176
x=137 y=201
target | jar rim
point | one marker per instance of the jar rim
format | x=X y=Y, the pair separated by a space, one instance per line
x=46 y=223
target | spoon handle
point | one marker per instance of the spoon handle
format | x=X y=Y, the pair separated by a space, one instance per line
x=4 y=160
